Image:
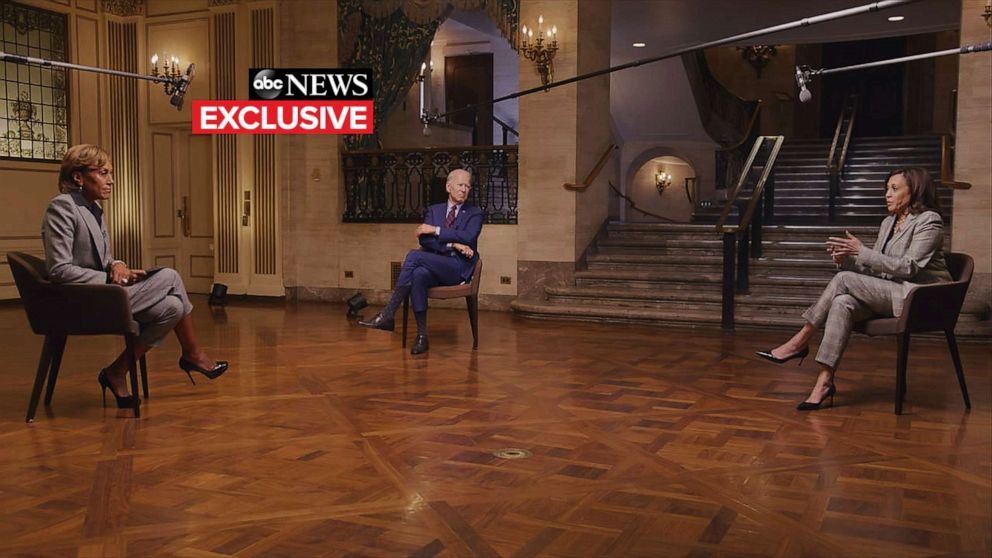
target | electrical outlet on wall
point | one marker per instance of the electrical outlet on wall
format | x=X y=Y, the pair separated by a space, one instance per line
x=348 y=274
x=505 y=280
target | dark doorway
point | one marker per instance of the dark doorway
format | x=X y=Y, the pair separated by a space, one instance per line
x=879 y=90
x=468 y=80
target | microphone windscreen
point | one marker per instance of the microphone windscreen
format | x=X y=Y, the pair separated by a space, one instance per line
x=805 y=95
x=177 y=97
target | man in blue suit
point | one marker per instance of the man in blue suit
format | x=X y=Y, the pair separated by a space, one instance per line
x=448 y=239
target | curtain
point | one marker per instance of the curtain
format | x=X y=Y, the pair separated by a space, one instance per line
x=393 y=37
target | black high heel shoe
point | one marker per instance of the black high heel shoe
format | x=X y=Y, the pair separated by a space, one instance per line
x=213 y=373
x=806 y=406
x=801 y=355
x=123 y=402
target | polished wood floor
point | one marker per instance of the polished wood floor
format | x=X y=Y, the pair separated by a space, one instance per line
x=330 y=440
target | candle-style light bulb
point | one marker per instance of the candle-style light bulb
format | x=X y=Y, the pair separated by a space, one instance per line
x=540 y=22
x=155 y=59
x=530 y=33
x=423 y=66
x=554 y=30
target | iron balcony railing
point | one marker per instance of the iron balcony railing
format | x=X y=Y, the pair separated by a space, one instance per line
x=397 y=185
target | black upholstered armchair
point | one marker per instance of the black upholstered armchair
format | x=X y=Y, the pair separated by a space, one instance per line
x=58 y=311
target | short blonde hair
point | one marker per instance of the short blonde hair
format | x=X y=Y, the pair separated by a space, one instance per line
x=80 y=158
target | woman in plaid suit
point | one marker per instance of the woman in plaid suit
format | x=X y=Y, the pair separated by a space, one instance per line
x=874 y=281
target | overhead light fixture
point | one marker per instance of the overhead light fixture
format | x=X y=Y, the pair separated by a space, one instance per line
x=640 y=45
x=896 y=18
x=758 y=56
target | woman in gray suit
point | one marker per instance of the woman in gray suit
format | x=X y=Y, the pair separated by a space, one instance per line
x=77 y=250
x=874 y=281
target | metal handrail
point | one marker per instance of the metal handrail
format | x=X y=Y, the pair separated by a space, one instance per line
x=739 y=248
x=721 y=225
x=851 y=100
x=506 y=128
x=946 y=161
x=750 y=127
x=847 y=136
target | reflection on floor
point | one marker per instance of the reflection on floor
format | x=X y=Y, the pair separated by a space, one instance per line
x=326 y=439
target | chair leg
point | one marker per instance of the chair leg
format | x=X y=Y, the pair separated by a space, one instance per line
x=58 y=348
x=132 y=368
x=39 y=380
x=406 y=311
x=473 y=318
x=952 y=344
x=144 y=375
x=903 y=357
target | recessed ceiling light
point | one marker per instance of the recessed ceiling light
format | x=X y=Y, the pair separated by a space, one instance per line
x=640 y=45
x=896 y=18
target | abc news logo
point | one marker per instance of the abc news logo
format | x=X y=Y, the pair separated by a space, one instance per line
x=310 y=83
x=293 y=101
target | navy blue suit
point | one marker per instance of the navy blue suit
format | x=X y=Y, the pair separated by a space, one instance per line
x=435 y=264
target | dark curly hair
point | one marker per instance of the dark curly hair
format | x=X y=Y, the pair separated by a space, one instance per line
x=922 y=189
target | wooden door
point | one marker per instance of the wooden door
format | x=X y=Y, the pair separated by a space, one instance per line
x=181 y=207
x=468 y=80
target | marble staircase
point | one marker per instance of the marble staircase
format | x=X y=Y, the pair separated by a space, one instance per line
x=671 y=274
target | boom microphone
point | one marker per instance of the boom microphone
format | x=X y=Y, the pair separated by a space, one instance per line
x=181 y=85
x=803 y=78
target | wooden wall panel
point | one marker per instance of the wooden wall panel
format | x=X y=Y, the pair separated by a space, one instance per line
x=85 y=119
x=163 y=186
x=189 y=40
x=264 y=151
x=228 y=212
x=124 y=209
x=201 y=267
x=201 y=199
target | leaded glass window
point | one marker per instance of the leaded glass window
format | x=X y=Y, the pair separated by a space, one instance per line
x=34 y=121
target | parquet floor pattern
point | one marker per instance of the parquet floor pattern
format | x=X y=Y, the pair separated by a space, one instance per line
x=330 y=440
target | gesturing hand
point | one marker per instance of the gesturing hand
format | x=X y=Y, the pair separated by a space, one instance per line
x=849 y=246
x=463 y=249
x=424 y=228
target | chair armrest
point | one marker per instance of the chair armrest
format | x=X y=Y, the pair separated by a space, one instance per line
x=91 y=309
x=932 y=307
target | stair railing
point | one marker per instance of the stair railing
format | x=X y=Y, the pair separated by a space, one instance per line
x=742 y=241
x=506 y=128
x=842 y=135
x=594 y=172
x=947 y=165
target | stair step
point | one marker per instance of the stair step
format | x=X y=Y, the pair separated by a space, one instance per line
x=624 y=314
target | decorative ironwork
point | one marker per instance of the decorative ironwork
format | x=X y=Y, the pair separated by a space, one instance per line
x=33 y=101
x=758 y=56
x=124 y=8
x=396 y=186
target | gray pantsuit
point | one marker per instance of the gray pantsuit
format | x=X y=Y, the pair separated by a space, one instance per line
x=77 y=250
x=877 y=281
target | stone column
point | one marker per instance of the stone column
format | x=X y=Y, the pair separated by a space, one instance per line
x=562 y=134
x=972 y=219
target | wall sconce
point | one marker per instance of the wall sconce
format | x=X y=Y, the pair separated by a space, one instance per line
x=987 y=14
x=542 y=50
x=169 y=70
x=662 y=180
x=758 y=56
